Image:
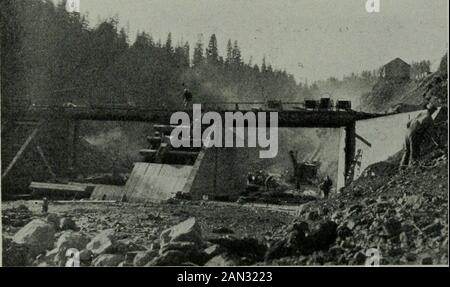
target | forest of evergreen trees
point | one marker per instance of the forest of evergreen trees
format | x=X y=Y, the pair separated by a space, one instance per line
x=50 y=56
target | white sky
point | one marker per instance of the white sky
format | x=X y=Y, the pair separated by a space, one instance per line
x=329 y=37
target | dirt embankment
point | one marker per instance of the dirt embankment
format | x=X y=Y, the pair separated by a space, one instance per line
x=404 y=216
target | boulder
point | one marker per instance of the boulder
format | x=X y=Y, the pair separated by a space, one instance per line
x=46 y=260
x=186 y=231
x=102 y=243
x=312 y=215
x=242 y=247
x=72 y=239
x=169 y=258
x=37 y=235
x=125 y=264
x=324 y=236
x=14 y=254
x=126 y=245
x=414 y=201
x=279 y=249
x=86 y=257
x=433 y=229
x=294 y=241
x=67 y=223
x=111 y=260
x=222 y=230
x=392 y=227
x=222 y=260
x=67 y=240
x=144 y=257
x=190 y=250
x=213 y=250
x=427 y=260
x=344 y=232
x=54 y=220
x=359 y=258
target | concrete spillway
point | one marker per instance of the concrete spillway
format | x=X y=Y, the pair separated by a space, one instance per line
x=156 y=182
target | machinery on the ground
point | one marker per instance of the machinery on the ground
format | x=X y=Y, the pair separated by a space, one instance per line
x=262 y=181
x=305 y=173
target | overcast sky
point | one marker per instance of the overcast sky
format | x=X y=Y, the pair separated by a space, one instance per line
x=326 y=37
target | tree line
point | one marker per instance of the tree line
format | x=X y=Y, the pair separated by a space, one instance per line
x=50 y=56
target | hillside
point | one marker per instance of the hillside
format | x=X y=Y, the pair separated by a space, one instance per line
x=409 y=95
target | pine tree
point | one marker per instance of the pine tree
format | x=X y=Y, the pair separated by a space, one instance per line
x=212 y=53
x=263 y=65
x=236 y=54
x=198 y=54
x=168 y=45
x=229 y=58
x=187 y=49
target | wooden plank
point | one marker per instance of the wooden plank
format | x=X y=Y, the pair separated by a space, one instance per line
x=147 y=152
x=57 y=186
x=83 y=201
x=183 y=153
x=21 y=150
x=366 y=142
x=167 y=129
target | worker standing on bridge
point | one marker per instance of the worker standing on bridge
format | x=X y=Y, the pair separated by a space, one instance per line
x=187 y=96
x=417 y=129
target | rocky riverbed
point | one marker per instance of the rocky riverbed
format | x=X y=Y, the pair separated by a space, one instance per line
x=385 y=217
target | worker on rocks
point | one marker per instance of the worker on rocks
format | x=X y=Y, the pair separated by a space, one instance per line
x=326 y=186
x=417 y=130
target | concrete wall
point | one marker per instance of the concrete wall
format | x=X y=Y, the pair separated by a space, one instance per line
x=223 y=171
x=384 y=137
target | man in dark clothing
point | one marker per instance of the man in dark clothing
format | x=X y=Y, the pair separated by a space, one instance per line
x=44 y=205
x=417 y=130
x=326 y=186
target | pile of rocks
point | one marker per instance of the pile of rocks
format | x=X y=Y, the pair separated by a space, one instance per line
x=403 y=218
x=16 y=217
x=33 y=241
x=301 y=240
x=49 y=243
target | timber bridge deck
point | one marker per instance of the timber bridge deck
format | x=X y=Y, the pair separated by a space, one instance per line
x=293 y=114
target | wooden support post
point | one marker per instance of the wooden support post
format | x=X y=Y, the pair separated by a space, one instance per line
x=350 y=146
x=21 y=150
x=75 y=139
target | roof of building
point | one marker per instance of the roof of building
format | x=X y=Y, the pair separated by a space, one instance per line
x=397 y=61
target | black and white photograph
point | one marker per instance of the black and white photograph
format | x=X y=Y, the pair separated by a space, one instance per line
x=224 y=133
